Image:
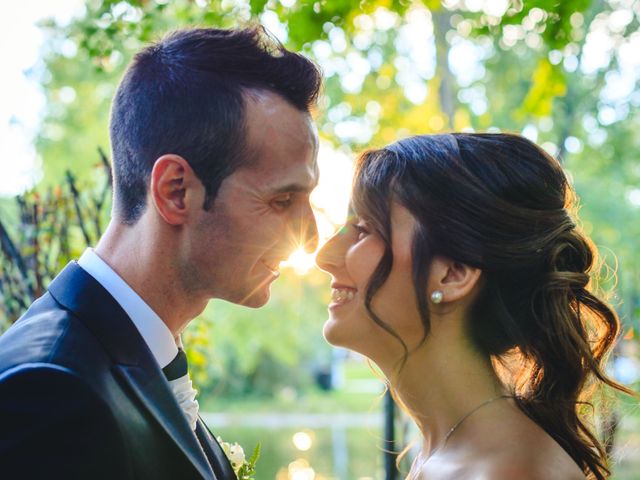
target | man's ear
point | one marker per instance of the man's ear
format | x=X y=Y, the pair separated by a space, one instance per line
x=173 y=188
x=455 y=280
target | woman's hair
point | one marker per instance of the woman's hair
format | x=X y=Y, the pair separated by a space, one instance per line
x=499 y=203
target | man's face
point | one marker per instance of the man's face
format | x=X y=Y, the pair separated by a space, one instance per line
x=261 y=212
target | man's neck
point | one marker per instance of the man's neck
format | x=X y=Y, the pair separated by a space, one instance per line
x=146 y=265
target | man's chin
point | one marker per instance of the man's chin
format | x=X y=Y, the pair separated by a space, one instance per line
x=256 y=299
x=255 y=303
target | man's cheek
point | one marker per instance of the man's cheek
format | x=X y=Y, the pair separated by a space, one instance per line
x=272 y=229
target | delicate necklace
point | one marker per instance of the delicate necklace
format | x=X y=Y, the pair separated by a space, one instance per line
x=459 y=422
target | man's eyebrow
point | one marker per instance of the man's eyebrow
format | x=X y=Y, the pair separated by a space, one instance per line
x=295 y=188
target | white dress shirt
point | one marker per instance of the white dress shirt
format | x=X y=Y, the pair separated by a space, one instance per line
x=152 y=329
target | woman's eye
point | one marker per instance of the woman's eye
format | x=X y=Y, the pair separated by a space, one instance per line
x=361 y=230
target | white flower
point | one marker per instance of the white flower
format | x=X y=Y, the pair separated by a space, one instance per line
x=243 y=468
x=234 y=453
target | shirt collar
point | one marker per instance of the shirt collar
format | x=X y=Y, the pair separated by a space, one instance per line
x=153 y=330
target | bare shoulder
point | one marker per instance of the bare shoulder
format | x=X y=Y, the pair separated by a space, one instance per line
x=506 y=462
x=527 y=452
x=516 y=449
x=523 y=454
x=502 y=468
x=544 y=461
x=530 y=471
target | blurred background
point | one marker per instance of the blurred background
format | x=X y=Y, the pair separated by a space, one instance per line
x=564 y=74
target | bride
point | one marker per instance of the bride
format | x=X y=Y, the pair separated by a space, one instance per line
x=464 y=277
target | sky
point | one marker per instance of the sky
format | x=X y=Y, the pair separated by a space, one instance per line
x=21 y=98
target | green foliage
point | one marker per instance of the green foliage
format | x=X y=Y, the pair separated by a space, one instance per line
x=248 y=470
x=547 y=83
x=50 y=229
x=527 y=76
x=257 y=6
x=230 y=359
x=85 y=61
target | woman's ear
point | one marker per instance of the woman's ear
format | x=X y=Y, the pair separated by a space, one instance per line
x=173 y=188
x=455 y=280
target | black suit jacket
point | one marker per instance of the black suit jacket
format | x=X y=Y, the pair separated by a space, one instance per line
x=81 y=396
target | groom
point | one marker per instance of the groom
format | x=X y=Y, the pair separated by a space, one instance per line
x=214 y=158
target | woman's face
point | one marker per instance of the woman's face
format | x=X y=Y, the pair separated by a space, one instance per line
x=351 y=256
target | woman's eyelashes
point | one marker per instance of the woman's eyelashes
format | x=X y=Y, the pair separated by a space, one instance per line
x=361 y=229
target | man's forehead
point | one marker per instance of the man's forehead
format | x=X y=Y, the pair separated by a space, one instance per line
x=304 y=182
x=283 y=142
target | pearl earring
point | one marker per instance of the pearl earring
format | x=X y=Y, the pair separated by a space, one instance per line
x=437 y=296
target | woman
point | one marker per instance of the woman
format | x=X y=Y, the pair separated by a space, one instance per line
x=464 y=277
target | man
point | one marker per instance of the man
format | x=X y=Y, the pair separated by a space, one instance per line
x=214 y=158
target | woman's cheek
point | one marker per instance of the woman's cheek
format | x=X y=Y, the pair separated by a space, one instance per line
x=361 y=261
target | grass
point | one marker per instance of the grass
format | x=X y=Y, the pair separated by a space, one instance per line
x=314 y=401
x=361 y=393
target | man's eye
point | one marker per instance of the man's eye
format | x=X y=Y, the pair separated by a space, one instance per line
x=283 y=202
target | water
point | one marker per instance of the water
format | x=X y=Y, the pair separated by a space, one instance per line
x=336 y=453
x=344 y=451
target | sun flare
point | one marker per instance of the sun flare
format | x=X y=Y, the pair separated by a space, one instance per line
x=300 y=261
x=330 y=202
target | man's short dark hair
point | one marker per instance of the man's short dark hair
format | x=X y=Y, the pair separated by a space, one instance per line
x=185 y=95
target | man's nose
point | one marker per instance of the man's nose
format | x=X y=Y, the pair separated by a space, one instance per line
x=304 y=231
x=309 y=232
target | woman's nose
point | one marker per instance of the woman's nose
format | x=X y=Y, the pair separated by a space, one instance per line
x=331 y=254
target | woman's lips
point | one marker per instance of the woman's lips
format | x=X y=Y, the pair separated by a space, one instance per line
x=341 y=295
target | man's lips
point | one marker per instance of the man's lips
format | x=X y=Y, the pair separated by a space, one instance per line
x=273 y=268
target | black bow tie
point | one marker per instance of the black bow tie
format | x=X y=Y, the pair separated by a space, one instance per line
x=178 y=367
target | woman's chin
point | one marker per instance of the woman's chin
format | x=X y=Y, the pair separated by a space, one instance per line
x=345 y=335
x=328 y=331
x=336 y=334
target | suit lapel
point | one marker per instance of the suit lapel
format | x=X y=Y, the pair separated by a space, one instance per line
x=79 y=292
x=162 y=405
x=217 y=458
